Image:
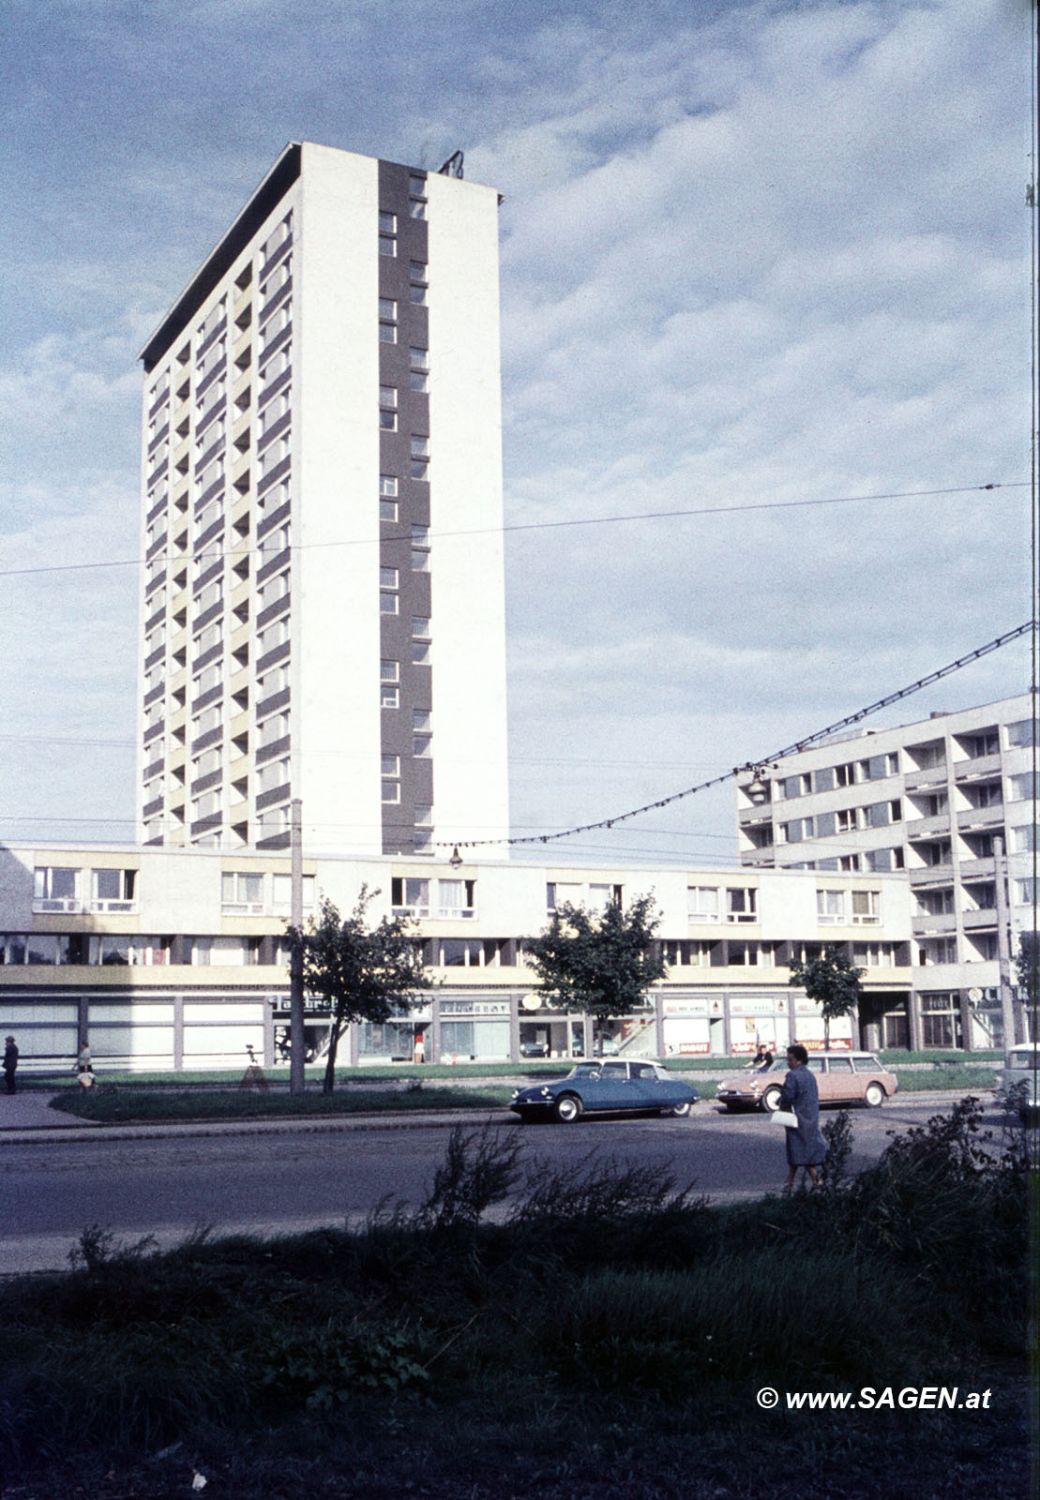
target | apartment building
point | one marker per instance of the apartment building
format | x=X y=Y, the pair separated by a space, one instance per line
x=951 y=802
x=322 y=603
x=177 y=958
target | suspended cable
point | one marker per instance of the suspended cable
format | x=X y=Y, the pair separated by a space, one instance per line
x=406 y=537
x=802 y=744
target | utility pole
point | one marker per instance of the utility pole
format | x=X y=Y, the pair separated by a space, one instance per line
x=1007 y=1009
x=297 y=1077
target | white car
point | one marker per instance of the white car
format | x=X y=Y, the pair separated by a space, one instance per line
x=1018 y=1079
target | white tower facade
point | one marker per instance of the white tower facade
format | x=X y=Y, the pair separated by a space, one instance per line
x=322 y=609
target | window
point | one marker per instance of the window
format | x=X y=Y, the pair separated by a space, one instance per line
x=422 y=718
x=391 y=791
x=55 y=888
x=420 y=627
x=389 y=671
x=389 y=697
x=418 y=359
x=874 y=955
x=741 y=904
x=388 y=417
x=456 y=898
x=421 y=653
x=272 y=681
x=388 y=309
x=417 y=272
x=387 y=484
x=388 y=397
x=276 y=727
x=387 y=602
x=112 y=890
x=242 y=892
x=388 y=510
x=274 y=453
x=1022 y=788
x=387 y=246
x=830 y=906
x=274 y=635
x=418 y=381
x=388 y=578
x=209 y=678
x=281 y=893
x=274 y=589
x=274 y=774
x=387 y=222
x=206 y=806
x=410 y=898
x=1025 y=892
x=423 y=815
x=208 y=719
x=1023 y=839
x=387 y=333
x=422 y=745
x=702 y=903
x=419 y=446
x=1023 y=732
x=417 y=296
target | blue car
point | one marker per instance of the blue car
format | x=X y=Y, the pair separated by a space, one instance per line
x=612 y=1087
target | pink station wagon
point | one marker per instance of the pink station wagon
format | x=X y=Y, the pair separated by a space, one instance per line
x=842 y=1078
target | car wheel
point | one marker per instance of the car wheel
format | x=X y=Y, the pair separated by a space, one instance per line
x=568 y=1109
x=874 y=1095
x=678 y=1111
x=770 y=1101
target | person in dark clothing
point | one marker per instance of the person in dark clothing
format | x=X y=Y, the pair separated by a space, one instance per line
x=762 y=1059
x=805 y=1145
x=10 y=1063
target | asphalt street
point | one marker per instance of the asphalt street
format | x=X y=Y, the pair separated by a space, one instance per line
x=270 y=1182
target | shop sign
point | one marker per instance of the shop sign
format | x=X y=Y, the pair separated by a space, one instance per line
x=685 y=1005
x=474 y=1007
x=752 y=1007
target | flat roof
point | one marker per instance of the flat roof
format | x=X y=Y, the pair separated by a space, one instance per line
x=267 y=196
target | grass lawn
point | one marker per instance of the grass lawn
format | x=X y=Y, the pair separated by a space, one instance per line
x=121 y=1105
x=604 y=1339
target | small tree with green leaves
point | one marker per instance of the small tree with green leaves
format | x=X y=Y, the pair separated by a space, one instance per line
x=599 y=963
x=357 y=973
x=833 y=981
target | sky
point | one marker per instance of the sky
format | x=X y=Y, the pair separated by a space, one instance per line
x=752 y=254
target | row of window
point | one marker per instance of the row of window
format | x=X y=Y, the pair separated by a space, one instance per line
x=114 y=949
x=975 y=744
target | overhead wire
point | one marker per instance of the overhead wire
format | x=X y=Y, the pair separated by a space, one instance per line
x=518 y=526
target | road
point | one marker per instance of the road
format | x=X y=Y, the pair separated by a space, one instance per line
x=264 y=1183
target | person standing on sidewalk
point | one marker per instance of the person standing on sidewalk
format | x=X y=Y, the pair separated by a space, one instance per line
x=10 y=1063
x=806 y=1146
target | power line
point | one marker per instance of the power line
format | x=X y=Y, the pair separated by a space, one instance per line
x=798 y=745
x=406 y=537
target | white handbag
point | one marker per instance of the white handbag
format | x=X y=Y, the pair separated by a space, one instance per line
x=785 y=1118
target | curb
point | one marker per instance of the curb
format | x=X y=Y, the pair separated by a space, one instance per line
x=308 y=1125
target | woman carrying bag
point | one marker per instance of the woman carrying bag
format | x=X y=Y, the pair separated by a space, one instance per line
x=801 y=1098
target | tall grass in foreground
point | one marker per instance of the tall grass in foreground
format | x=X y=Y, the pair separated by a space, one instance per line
x=599 y=1290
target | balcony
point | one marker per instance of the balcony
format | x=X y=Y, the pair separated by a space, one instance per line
x=929 y=875
x=982 y=817
x=977 y=869
x=930 y=776
x=928 y=828
x=982 y=768
x=934 y=924
x=982 y=918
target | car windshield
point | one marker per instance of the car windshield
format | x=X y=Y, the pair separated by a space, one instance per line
x=1026 y=1060
x=584 y=1070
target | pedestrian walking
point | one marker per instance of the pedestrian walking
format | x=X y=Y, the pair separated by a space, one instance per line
x=10 y=1063
x=84 y=1066
x=806 y=1147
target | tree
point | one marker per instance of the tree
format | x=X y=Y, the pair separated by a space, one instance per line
x=833 y=981
x=358 y=974
x=599 y=963
x=1027 y=966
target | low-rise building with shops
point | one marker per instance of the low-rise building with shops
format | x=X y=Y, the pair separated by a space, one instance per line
x=178 y=958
